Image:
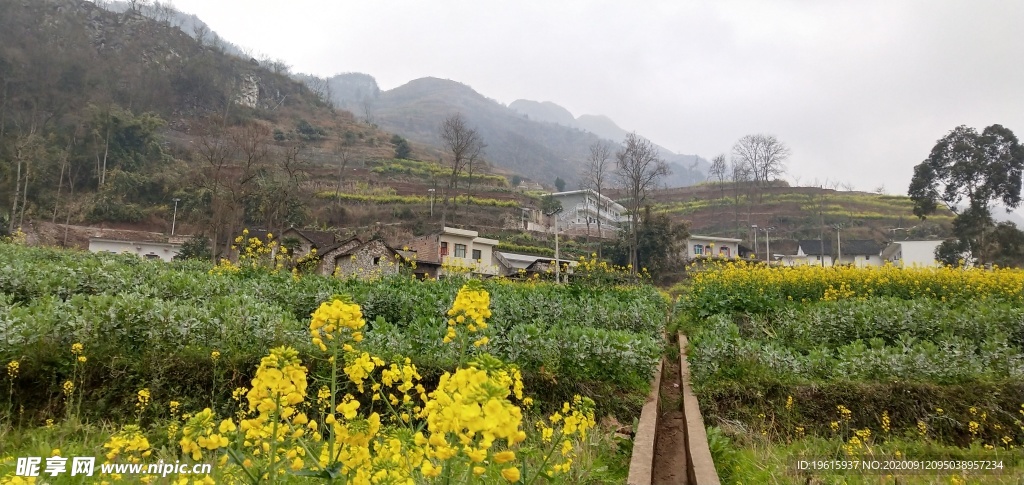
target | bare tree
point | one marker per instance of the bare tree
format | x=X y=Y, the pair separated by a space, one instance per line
x=200 y=31
x=640 y=167
x=719 y=170
x=28 y=149
x=848 y=186
x=367 y=105
x=764 y=154
x=596 y=176
x=344 y=154
x=321 y=88
x=740 y=180
x=464 y=144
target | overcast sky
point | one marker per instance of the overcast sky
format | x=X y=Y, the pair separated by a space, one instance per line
x=859 y=90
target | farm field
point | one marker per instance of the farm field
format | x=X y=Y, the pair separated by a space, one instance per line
x=273 y=376
x=919 y=368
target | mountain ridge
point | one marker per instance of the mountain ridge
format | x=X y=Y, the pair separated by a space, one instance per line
x=538 y=149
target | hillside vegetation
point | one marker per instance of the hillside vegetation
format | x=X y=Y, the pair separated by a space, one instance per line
x=796 y=212
x=108 y=117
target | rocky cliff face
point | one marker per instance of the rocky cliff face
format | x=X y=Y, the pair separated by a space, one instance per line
x=76 y=47
x=353 y=90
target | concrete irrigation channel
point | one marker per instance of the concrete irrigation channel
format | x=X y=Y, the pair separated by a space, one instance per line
x=671 y=443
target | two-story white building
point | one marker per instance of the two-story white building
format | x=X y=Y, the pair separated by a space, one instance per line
x=458 y=249
x=581 y=211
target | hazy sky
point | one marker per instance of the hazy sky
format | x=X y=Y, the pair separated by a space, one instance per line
x=859 y=90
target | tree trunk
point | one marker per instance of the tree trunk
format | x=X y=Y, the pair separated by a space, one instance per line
x=17 y=181
x=106 y=151
x=24 y=197
x=60 y=185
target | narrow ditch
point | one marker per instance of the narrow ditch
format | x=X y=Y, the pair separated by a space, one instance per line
x=670 y=445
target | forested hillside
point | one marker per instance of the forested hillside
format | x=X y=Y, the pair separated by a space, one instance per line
x=109 y=117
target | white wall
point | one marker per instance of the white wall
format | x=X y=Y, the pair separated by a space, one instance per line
x=916 y=253
x=162 y=251
x=804 y=260
x=860 y=260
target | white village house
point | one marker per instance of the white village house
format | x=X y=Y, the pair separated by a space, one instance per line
x=148 y=250
x=852 y=252
x=912 y=253
x=809 y=252
x=460 y=248
x=712 y=247
x=859 y=253
x=581 y=209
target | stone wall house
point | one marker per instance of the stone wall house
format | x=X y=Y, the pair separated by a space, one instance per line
x=307 y=240
x=330 y=253
x=371 y=259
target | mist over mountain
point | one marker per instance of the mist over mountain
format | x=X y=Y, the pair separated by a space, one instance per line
x=604 y=127
x=544 y=111
x=541 y=141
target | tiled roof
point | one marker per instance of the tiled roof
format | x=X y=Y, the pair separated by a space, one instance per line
x=860 y=247
x=814 y=247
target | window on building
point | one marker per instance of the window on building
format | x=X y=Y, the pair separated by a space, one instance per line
x=460 y=250
x=444 y=249
x=723 y=251
x=476 y=254
x=698 y=249
x=376 y=260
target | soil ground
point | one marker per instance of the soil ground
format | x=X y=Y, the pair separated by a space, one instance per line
x=670 y=447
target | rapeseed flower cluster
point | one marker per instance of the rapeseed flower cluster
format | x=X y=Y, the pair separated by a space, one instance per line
x=471 y=309
x=201 y=432
x=278 y=391
x=12 y=369
x=338 y=322
x=814 y=283
x=127 y=445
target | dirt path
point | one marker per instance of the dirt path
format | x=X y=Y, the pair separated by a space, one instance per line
x=670 y=447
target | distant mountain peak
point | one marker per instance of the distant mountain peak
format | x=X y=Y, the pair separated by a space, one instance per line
x=544 y=111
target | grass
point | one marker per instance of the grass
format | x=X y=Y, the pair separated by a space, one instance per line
x=749 y=457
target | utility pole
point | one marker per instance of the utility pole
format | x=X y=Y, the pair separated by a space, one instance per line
x=553 y=212
x=754 y=227
x=558 y=265
x=821 y=231
x=174 y=219
x=839 y=242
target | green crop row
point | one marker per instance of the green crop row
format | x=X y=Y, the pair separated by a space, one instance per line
x=156 y=324
x=432 y=170
x=413 y=199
